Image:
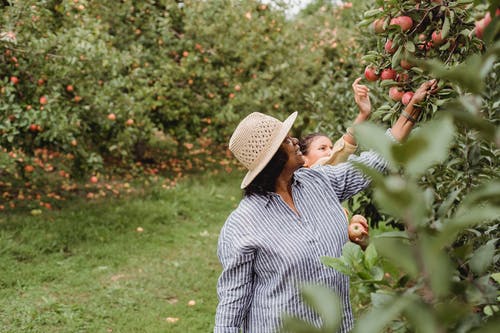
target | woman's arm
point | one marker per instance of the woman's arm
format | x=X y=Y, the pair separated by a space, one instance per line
x=234 y=287
x=403 y=126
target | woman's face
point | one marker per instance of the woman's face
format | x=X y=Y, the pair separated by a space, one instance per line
x=319 y=147
x=295 y=157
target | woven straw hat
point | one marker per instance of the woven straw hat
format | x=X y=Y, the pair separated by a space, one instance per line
x=255 y=141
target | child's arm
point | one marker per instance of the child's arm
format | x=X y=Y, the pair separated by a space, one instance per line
x=346 y=145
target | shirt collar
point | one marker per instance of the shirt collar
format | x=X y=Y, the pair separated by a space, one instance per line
x=296 y=182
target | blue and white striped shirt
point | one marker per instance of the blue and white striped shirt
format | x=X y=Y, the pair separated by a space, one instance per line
x=267 y=250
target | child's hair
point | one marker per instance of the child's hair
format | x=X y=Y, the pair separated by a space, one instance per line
x=305 y=142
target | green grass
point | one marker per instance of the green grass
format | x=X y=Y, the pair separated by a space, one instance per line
x=86 y=268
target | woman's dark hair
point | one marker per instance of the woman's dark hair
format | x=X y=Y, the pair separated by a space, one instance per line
x=265 y=182
x=305 y=142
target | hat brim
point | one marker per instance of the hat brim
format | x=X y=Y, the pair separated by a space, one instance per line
x=273 y=148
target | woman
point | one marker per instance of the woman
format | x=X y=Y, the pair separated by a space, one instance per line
x=271 y=243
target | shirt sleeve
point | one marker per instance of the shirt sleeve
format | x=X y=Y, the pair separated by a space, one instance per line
x=347 y=180
x=340 y=153
x=235 y=285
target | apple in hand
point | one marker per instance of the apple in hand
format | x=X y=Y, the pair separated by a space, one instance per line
x=356 y=230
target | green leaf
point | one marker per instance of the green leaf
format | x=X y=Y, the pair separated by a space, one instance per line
x=400 y=198
x=352 y=253
x=398 y=253
x=379 y=317
x=446 y=27
x=337 y=264
x=377 y=273
x=393 y=234
x=445 y=207
x=409 y=46
x=491 y=325
x=435 y=137
x=486 y=129
x=396 y=57
x=374 y=137
x=381 y=299
x=422 y=318
x=489 y=191
x=465 y=218
x=496 y=277
x=371 y=256
x=437 y=264
x=483 y=258
x=466 y=74
x=326 y=303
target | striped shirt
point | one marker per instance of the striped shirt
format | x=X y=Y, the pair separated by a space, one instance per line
x=267 y=250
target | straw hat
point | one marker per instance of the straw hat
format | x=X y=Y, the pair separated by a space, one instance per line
x=256 y=140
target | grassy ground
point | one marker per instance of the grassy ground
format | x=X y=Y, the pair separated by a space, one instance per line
x=86 y=268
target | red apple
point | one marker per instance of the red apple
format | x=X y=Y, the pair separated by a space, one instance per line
x=388 y=74
x=94 y=179
x=43 y=100
x=69 y=88
x=402 y=77
x=437 y=38
x=388 y=47
x=112 y=116
x=482 y=24
x=378 y=26
x=395 y=93
x=14 y=80
x=356 y=230
x=425 y=46
x=359 y=219
x=29 y=168
x=405 y=22
x=129 y=122
x=405 y=64
x=34 y=128
x=77 y=98
x=407 y=97
x=370 y=74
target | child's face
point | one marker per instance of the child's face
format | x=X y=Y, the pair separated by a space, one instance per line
x=319 y=147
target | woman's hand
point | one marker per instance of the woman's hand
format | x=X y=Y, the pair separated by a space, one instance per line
x=358 y=231
x=425 y=89
x=362 y=98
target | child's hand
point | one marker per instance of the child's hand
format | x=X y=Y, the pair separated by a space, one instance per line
x=362 y=98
